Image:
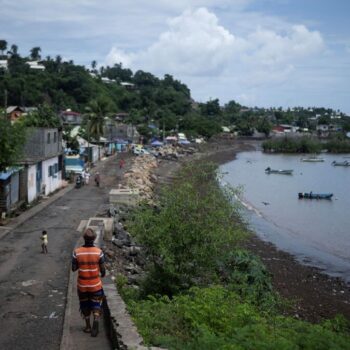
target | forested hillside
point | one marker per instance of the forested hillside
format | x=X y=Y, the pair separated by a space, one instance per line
x=147 y=99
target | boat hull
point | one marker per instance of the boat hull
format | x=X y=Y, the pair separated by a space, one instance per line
x=310 y=195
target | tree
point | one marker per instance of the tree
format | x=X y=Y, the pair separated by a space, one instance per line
x=35 y=53
x=93 y=65
x=44 y=117
x=265 y=126
x=3 y=46
x=14 y=50
x=11 y=142
x=97 y=110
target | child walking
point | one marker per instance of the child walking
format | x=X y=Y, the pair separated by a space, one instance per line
x=44 y=242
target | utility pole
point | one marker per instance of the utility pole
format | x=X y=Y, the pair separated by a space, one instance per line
x=163 y=131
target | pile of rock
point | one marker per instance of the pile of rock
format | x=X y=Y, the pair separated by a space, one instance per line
x=140 y=177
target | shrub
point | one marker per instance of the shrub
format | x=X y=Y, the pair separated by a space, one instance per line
x=214 y=317
x=191 y=232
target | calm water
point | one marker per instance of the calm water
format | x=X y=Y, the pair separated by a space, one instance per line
x=316 y=231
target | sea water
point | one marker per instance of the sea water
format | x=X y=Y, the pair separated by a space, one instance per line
x=317 y=232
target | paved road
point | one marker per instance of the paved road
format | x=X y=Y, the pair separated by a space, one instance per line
x=33 y=285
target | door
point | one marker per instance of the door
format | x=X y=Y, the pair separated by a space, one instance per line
x=39 y=176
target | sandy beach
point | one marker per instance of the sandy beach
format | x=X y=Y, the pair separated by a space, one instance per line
x=314 y=295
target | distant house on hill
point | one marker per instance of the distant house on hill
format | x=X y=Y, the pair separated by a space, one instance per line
x=14 y=112
x=69 y=117
x=127 y=85
x=3 y=64
x=36 y=65
x=119 y=117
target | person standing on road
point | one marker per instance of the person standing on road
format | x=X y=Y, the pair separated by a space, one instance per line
x=44 y=242
x=89 y=261
x=121 y=163
x=86 y=177
x=97 y=179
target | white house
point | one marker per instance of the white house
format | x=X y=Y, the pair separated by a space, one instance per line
x=42 y=160
x=35 y=65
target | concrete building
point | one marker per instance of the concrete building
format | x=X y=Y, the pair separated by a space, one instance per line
x=42 y=160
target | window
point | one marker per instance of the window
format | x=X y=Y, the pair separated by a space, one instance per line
x=50 y=169
x=48 y=137
x=54 y=137
x=56 y=168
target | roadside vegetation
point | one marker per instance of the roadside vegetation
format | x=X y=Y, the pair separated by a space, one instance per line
x=338 y=144
x=201 y=290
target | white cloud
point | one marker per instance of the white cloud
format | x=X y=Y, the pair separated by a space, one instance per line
x=195 y=44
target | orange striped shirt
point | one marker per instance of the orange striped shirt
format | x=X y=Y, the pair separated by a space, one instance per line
x=88 y=261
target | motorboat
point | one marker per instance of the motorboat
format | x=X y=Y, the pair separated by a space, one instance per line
x=311 y=195
x=278 y=171
x=312 y=159
x=345 y=163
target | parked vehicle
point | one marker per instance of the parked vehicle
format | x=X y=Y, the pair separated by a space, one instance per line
x=311 y=195
x=140 y=151
x=79 y=181
x=279 y=171
x=73 y=164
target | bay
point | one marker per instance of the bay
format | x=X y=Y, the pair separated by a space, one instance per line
x=317 y=232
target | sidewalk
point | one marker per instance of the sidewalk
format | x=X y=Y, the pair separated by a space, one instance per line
x=73 y=336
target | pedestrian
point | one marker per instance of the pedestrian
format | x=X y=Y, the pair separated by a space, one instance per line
x=90 y=263
x=86 y=177
x=97 y=179
x=121 y=164
x=44 y=242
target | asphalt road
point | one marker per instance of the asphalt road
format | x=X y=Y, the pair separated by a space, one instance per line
x=33 y=285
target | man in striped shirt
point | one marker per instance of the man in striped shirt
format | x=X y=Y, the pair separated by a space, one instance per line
x=89 y=261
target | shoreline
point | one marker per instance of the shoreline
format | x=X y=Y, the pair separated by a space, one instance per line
x=315 y=296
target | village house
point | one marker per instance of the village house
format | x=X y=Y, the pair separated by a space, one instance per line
x=3 y=64
x=36 y=65
x=14 y=112
x=10 y=195
x=69 y=117
x=42 y=161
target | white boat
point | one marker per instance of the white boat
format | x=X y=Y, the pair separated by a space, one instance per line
x=312 y=159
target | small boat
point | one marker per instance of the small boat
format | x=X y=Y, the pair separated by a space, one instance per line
x=311 y=195
x=312 y=159
x=345 y=163
x=283 y=172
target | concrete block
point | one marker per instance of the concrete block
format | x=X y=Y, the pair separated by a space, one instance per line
x=102 y=226
x=124 y=196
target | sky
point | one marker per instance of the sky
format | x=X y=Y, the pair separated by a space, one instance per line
x=265 y=53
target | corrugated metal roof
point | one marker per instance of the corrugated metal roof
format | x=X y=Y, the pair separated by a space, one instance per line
x=9 y=172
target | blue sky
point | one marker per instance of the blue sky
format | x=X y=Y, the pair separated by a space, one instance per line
x=258 y=52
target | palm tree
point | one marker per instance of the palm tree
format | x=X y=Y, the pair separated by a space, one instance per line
x=93 y=65
x=97 y=110
x=35 y=53
x=3 y=46
x=14 y=50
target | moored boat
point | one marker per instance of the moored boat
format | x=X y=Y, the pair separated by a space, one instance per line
x=345 y=163
x=312 y=159
x=278 y=171
x=311 y=195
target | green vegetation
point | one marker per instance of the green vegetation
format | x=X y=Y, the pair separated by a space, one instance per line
x=306 y=145
x=11 y=142
x=201 y=291
x=163 y=102
x=292 y=145
x=192 y=232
